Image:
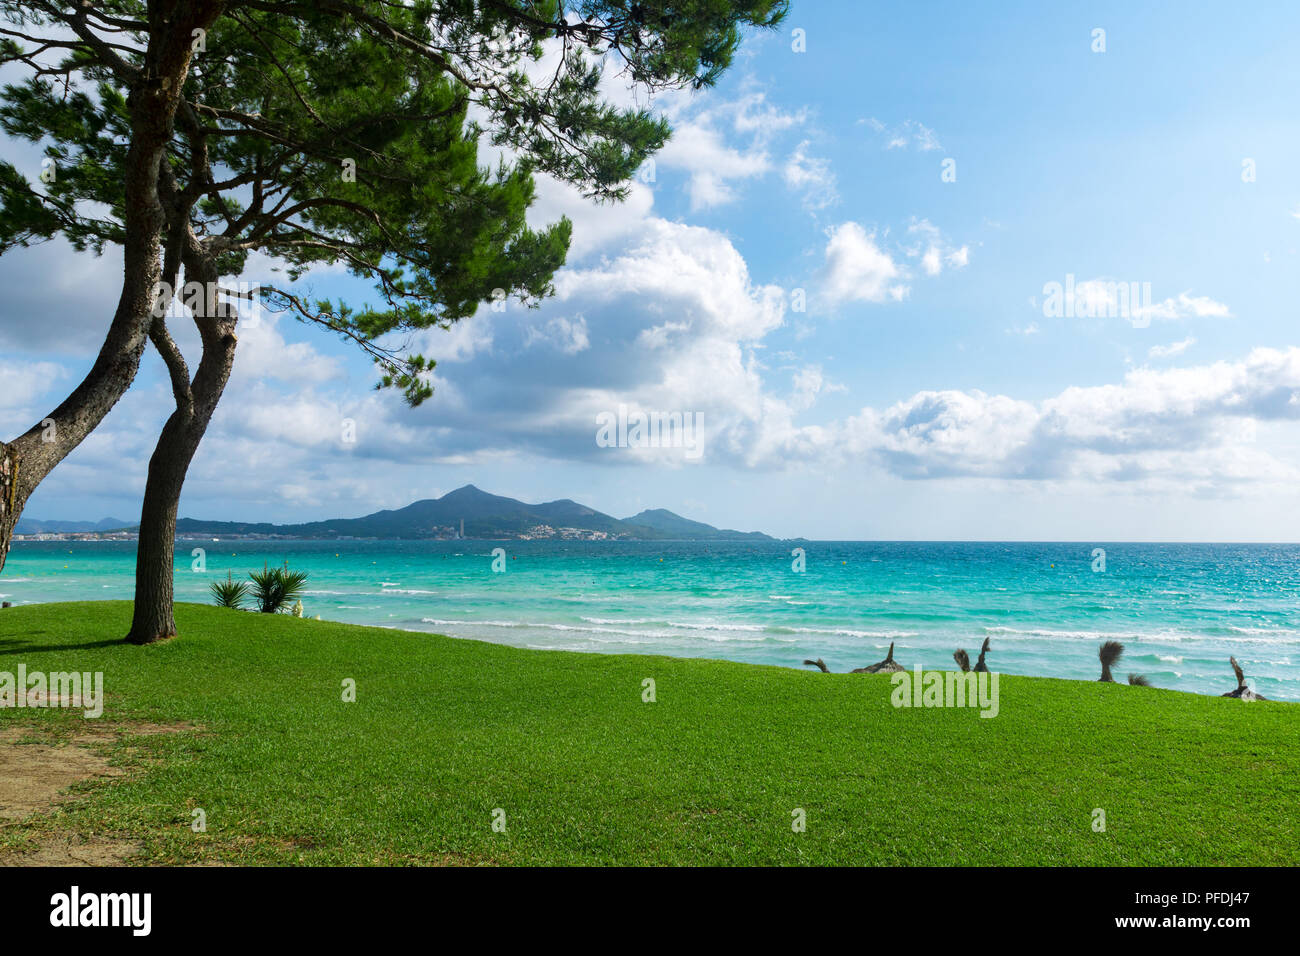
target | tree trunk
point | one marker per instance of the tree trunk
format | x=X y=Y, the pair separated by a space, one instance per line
x=152 y=104
x=26 y=460
x=153 y=617
x=8 y=498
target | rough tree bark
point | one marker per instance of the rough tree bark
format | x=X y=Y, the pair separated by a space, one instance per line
x=26 y=460
x=153 y=617
x=152 y=101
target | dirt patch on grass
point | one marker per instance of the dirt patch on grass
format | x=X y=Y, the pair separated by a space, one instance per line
x=61 y=849
x=34 y=778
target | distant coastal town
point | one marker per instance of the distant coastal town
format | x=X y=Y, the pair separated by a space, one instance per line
x=79 y=536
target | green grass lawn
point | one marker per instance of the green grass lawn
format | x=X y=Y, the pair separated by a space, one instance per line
x=444 y=732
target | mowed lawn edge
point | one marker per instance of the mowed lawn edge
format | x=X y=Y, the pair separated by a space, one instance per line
x=458 y=751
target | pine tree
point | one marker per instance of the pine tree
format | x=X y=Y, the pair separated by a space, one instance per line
x=194 y=134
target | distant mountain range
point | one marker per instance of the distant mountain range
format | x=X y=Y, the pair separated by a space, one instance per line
x=466 y=511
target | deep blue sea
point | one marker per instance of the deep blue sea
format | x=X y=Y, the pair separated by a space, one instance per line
x=1180 y=609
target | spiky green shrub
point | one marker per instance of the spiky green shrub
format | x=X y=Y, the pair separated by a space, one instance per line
x=229 y=593
x=274 y=589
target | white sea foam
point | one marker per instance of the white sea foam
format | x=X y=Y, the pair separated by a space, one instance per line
x=714 y=626
x=710 y=630
x=1015 y=633
x=847 y=632
x=537 y=625
x=1264 y=636
x=672 y=632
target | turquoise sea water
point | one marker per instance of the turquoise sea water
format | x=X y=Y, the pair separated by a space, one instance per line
x=1181 y=610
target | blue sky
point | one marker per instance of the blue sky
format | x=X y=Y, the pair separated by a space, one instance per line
x=922 y=393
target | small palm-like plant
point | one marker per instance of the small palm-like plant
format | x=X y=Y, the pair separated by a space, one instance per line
x=275 y=588
x=229 y=593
